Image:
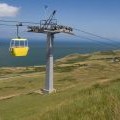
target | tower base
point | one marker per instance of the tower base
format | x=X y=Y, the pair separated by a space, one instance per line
x=45 y=91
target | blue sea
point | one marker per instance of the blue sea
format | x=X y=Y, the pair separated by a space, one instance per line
x=37 y=52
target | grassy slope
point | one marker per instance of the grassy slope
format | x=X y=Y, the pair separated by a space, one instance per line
x=87 y=89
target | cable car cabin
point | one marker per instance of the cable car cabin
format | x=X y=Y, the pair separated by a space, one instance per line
x=19 y=47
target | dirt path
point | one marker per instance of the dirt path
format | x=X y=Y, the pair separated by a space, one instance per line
x=18 y=94
x=18 y=76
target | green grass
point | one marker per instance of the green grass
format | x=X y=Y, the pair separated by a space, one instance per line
x=20 y=84
x=65 y=68
x=100 y=102
x=85 y=91
x=77 y=59
x=73 y=58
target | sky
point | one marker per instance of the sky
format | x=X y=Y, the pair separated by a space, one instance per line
x=100 y=17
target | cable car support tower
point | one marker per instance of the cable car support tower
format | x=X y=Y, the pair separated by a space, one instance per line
x=50 y=28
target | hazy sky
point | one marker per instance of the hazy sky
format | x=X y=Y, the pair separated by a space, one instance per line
x=101 y=17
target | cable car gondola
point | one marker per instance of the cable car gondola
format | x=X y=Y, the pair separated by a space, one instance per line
x=19 y=46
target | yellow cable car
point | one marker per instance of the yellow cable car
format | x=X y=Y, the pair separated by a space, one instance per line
x=19 y=46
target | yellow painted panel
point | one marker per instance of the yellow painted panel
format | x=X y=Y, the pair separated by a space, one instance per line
x=19 y=51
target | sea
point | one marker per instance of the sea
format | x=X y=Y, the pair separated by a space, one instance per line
x=62 y=48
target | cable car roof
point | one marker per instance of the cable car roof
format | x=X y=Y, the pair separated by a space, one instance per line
x=19 y=39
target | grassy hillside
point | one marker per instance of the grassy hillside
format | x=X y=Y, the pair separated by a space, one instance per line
x=87 y=89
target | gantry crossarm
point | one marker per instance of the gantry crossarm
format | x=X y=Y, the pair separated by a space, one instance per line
x=52 y=29
x=50 y=26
